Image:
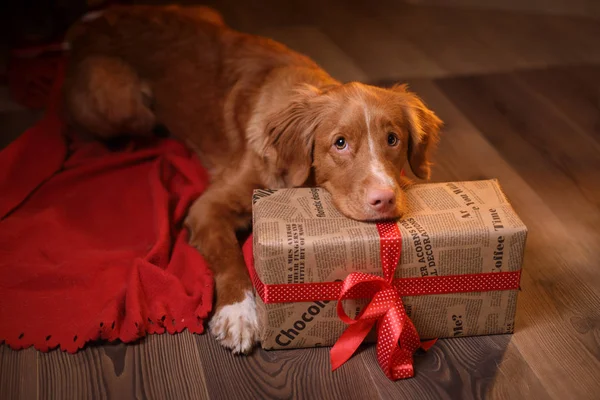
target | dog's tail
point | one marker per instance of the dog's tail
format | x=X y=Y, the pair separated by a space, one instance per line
x=105 y=97
x=103 y=94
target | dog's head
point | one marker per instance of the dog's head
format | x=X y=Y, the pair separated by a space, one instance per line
x=357 y=138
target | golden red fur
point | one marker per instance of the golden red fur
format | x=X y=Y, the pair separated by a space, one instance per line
x=257 y=114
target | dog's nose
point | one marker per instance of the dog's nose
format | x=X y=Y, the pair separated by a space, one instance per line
x=381 y=200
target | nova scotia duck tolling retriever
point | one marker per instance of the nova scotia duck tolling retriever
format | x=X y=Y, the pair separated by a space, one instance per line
x=257 y=114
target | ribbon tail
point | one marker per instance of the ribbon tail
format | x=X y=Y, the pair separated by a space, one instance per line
x=427 y=344
x=348 y=343
x=401 y=365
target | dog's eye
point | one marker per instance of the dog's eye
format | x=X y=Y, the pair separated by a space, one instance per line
x=340 y=143
x=392 y=139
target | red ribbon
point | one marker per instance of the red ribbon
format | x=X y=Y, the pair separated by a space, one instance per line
x=427 y=285
x=397 y=338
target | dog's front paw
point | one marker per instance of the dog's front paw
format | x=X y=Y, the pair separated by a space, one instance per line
x=235 y=326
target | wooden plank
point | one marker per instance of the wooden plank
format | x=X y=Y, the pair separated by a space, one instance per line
x=564 y=40
x=547 y=129
x=454 y=369
x=158 y=367
x=298 y=374
x=572 y=92
x=579 y=34
x=444 y=35
x=327 y=54
x=168 y=367
x=560 y=282
x=19 y=375
x=77 y=376
x=295 y=26
x=584 y=8
x=515 y=379
x=466 y=41
x=393 y=39
x=378 y=52
x=461 y=368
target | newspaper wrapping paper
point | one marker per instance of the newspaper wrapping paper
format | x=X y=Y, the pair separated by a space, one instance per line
x=454 y=228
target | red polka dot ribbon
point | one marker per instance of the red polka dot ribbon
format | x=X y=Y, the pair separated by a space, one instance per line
x=397 y=338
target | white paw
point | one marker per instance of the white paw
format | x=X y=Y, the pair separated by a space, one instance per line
x=235 y=326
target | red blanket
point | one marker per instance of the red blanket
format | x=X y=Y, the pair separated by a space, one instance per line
x=91 y=240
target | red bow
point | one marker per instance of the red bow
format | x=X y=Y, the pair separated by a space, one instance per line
x=397 y=338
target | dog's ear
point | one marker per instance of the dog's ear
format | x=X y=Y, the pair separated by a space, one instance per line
x=290 y=136
x=424 y=128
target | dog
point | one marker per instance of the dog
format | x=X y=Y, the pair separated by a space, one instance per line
x=257 y=114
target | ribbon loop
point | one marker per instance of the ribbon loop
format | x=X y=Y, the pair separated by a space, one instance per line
x=397 y=338
x=368 y=285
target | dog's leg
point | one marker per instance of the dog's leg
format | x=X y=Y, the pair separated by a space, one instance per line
x=213 y=221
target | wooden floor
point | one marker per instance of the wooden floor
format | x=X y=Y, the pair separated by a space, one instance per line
x=520 y=95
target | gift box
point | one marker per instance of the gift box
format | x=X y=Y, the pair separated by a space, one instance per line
x=450 y=267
